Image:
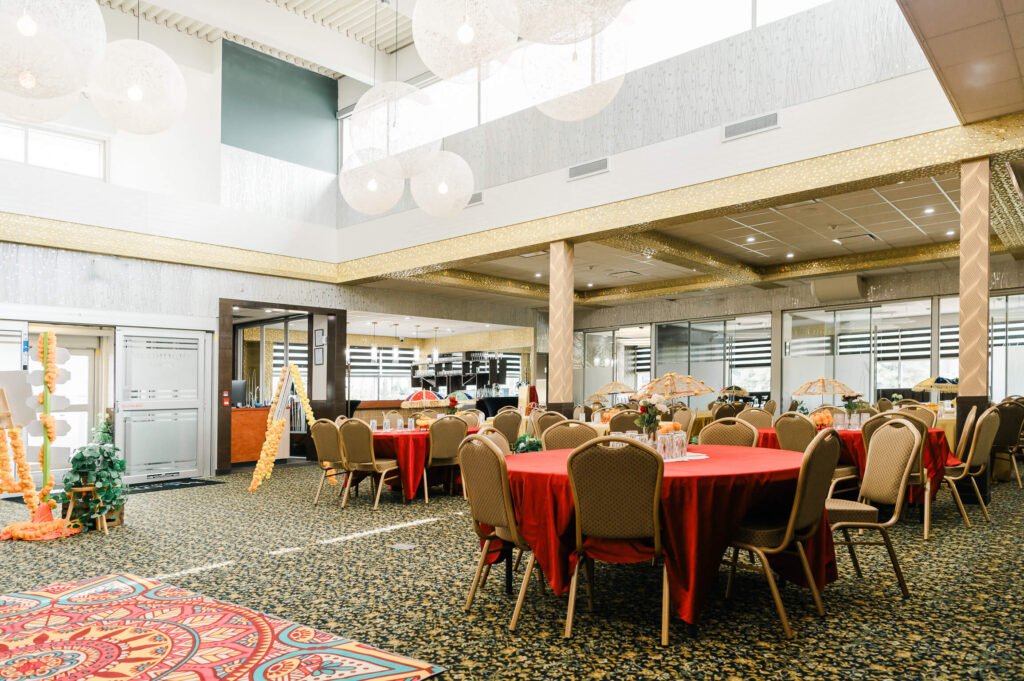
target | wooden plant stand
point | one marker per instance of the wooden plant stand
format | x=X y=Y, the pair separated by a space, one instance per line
x=101 y=521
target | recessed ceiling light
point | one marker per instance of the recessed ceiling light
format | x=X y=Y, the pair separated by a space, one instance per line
x=929 y=211
x=407 y=317
x=750 y=239
x=837 y=242
x=267 y=309
x=486 y=324
x=789 y=255
x=901 y=182
x=590 y=284
x=537 y=274
x=234 y=307
x=951 y=232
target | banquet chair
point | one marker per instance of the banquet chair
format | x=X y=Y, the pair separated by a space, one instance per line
x=485 y=479
x=684 y=417
x=497 y=437
x=786 y=528
x=795 y=431
x=728 y=431
x=579 y=413
x=871 y=411
x=975 y=462
x=470 y=418
x=531 y=423
x=509 y=407
x=357 y=452
x=394 y=416
x=722 y=410
x=546 y=420
x=508 y=424
x=567 y=435
x=429 y=414
x=831 y=408
x=602 y=511
x=757 y=417
x=891 y=457
x=622 y=405
x=1007 y=441
x=900 y=403
x=443 y=451
x=624 y=421
x=921 y=412
x=340 y=420
x=919 y=472
x=884 y=404
x=793 y=405
x=327 y=442
x=770 y=406
x=740 y=405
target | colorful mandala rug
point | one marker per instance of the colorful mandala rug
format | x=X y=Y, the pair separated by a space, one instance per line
x=122 y=627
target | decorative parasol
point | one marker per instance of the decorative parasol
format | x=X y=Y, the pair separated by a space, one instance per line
x=462 y=396
x=672 y=385
x=734 y=390
x=613 y=388
x=423 y=398
x=943 y=385
x=824 y=386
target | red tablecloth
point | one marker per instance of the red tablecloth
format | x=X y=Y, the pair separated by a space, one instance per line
x=937 y=454
x=409 y=448
x=703 y=503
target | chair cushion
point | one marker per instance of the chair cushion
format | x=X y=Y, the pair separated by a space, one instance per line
x=954 y=471
x=435 y=462
x=846 y=511
x=844 y=471
x=766 y=528
x=386 y=464
x=503 y=533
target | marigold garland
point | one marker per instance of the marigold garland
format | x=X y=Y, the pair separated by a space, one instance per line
x=46 y=351
x=275 y=429
x=265 y=464
x=28 y=486
x=7 y=483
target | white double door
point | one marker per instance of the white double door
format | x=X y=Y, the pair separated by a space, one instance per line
x=162 y=402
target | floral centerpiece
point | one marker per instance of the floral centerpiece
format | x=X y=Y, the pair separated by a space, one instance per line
x=651 y=410
x=453 y=405
x=527 y=443
x=853 y=402
x=896 y=397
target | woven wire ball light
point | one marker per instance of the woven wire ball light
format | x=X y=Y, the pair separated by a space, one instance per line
x=35 y=110
x=559 y=22
x=47 y=47
x=445 y=187
x=396 y=119
x=577 y=81
x=463 y=40
x=371 y=188
x=138 y=88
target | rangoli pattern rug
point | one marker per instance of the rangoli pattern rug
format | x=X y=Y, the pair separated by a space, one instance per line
x=122 y=627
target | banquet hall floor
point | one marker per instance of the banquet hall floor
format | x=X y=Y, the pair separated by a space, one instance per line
x=397 y=579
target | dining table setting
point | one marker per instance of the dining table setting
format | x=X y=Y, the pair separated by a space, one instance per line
x=410 y=448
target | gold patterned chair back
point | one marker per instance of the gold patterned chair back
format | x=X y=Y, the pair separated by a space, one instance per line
x=795 y=431
x=445 y=435
x=884 y=404
x=624 y=421
x=757 y=417
x=497 y=437
x=684 y=417
x=770 y=406
x=890 y=459
x=728 y=431
x=548 y=419
x=357 y=440
x=921 y=412
x=567 y=435
x=485 y=476
x=508 y=423
x=327 y=442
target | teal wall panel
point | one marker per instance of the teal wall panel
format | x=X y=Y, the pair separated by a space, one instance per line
x=277 y=109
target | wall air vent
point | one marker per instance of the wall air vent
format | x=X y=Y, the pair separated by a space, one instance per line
x=587 y=169
x=750 y=126
x=476 y=199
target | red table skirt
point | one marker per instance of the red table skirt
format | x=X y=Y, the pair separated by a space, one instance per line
x=937 y=455
x=703 y=502
x=409 y=448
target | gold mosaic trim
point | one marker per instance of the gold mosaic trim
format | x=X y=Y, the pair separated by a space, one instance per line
x=73 y=236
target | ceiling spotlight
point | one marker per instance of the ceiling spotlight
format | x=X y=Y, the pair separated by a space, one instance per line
x=486 y=324
x=750 y=239
x=929 y=211
x=837 y=242
x=407 y=317
x=951 y=232
x=590 y=284
x=267 y=309
x=789 y=255
x=234 y=307
x=537 y=274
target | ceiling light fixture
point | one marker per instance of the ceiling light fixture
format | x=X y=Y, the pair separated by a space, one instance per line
x=590 y=284
x=464 y=40
x=373 y=344
x=750 y=239
x=416 y=347
x=445 y=187
x=138 y=87
x=951 y=232
x=435 y=345
x=929 y=211
x=837 y=242
x=789 y=255
x=536 y=274
x=394 y=348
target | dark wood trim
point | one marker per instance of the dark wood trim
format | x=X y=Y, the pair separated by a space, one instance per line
x=330 y=407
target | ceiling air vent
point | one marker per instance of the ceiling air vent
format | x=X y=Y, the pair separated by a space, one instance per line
x=750 y=126
x=534 y=254
x=587 y=169
x=476 y=199
x=624 y=274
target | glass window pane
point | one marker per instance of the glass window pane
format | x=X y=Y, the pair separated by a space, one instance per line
x=504 y=91
x=749 y=358
x=456 y=103
x=598 y=357
x=773 y=10
x=853 y=351
x=707 y=355
x=673 y=349
x=1014 y=345
x=12 y=143
x=949 y=337
x=902 y=346
x=997 y=364
x=63 y=152
x=808 y=340
x=633 y=355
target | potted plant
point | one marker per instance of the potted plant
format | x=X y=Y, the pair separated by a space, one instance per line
x=453 y=405
x=527 y=443
x=98 y=464
x=650 y=414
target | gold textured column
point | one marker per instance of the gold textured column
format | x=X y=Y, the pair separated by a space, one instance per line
x=560 y=312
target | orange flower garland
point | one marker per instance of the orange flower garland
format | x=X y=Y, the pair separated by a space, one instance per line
x=50 y=368
x=7 y=483
x=265 y=464
x=28 y=487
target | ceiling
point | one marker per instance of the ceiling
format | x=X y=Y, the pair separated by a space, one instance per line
x=976 y=48
x=362 y=323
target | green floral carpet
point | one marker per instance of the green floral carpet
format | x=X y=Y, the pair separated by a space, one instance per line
x=397 y=579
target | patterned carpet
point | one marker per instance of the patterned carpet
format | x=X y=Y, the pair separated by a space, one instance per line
x=402 y=589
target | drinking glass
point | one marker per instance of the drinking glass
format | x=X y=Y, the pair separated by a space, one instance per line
x=386 y=425
x=665 y=446
x=679 y=441
x=841 y=421
x=595 y=417
x=412 y=423
x=373 y=424
x=632 y=434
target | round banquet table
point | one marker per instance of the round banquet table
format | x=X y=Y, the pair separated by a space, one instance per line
x=703 y=502
x=937 y=455
x=409 y=448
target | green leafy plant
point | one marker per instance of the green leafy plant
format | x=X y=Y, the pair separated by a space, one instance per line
x=97 y=463
x=527 y=443
x=801 y=407
x=650 y=414
x=896 y=397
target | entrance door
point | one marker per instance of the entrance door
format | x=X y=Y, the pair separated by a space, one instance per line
x=162 y=402
x=13 y=345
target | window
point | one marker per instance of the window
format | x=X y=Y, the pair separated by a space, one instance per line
x=58 y=151
x=386 y=377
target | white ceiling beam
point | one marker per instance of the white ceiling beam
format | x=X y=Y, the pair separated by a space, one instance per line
x=284 y=30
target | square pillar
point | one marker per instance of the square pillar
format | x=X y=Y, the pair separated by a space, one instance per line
x=561 y=296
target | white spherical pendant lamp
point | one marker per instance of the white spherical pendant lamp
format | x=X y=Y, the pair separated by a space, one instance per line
x=560 y=22
x=47 y=47
x=371 y=188
x=445 y=187
x=463 y=40
x=36 y=110
x=398 y=120
x=138 y=87
x=574 y=82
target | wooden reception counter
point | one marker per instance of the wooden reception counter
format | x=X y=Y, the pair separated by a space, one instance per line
x=248 y=428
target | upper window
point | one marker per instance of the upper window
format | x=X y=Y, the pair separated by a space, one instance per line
x=56 y=150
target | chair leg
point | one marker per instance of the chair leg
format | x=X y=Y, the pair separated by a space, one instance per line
x=732 y=571
x=927 y=505
x=426 y=487
x=380 y=488
x=810 y=578
x=476 y=577
x=895 y=562
x=522 y=591
x=959 y=503
x=519 y=558
x=665 y=604
x=348 y=488
x=319 y=488
x=853 y=553
x=775 y=593
x=977 y=492
x=588 y=572
x=572 y=599
x=341 y=485
x=1016 y=471
x=487 y=571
